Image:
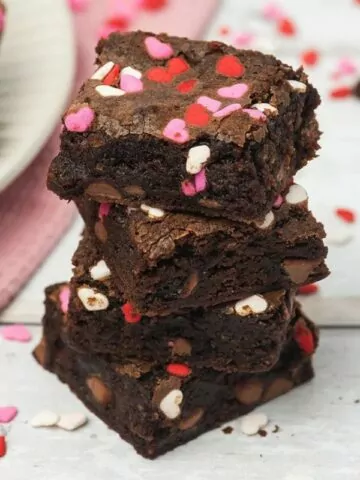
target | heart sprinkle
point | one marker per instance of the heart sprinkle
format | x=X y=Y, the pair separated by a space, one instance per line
x=235 y=91
x=170 y=404
x=107 y=91
x=103 y=71
x=16 y=333
x=251 y=305
x=200 y=181
x=345 y=214
x=228 y=110
x=64 y=297
x=157 y=49
x=309 y=289
x=196 y=115
x=197 y=158
x=45 y=419
x=92 y=300
x=129 y=313
x=72 y=421
x=230 y=66
x=159 y=74
x=178 y=370
x=131 y=84
x=100 y=271
x=104 y=210
x=7 y=414
x=177 y=66
x=251 y=424
x=152 y=212
x=112 y=78
x=210 y=103
x=304 y=338
x=176 y=131
x=186 y=86
x=80 y=121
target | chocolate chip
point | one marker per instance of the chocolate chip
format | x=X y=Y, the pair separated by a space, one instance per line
x=207 y=203
x=299 y=270
x=103 y=192
x=40 y=352
x=191 y=420
x=134 y=191
x=99 y=390
x=100 y=231
x=262 y=433
x=165 y=386
x=249 y=392
x=190 y=285
x=278 y=387
x=181 y=347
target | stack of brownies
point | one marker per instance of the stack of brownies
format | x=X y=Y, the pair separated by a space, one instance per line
x=181 y=311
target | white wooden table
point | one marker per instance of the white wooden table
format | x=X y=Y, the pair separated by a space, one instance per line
x=320 y=435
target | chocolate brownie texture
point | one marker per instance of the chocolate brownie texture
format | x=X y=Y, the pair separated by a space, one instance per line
x=171 y=262
x=156 y=411
x=228 y=338
x=188 y=126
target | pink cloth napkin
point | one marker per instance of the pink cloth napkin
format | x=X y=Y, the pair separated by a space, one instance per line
x=32 y=219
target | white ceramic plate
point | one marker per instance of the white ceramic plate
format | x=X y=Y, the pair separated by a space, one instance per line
x=37 y=64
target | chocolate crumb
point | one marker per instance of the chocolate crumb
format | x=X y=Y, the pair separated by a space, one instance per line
x=357 y=400
x=276 y=429
x=340 y=398
x=228 y=430
x=262 y=433
x=356 y=90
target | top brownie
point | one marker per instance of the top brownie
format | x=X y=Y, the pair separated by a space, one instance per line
x=187 y=126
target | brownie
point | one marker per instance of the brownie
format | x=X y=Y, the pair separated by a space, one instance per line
x=171 y=262
x=157 y=409
x=188 y=126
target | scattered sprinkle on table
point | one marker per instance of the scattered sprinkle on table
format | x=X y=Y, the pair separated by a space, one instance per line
x=7 y=414
x=16 y=333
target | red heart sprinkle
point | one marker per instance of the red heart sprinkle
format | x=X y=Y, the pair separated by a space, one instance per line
x=153 y=4
x=341 y=92
x=345 y=214
x=2 y=445
x=286 y=27
x=309 y=289
x=129 y=314
x=186 y=86
x=176 y=66
x=197 y=115
x=112 y=78
x=119 y=22
x=159 y=74
x=230 y=66
x=178 y=369
x=310 y=57
x=304 y=338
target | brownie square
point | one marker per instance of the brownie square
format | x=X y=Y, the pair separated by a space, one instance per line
x=167 y=262
x=187 y=126
x=155 y=409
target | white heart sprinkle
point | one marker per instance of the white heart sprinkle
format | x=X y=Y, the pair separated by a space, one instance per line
x=107 y=91
x=268 y=221
x=152 y=212
x=45 y=419
x=101 y=73
x=132 y=72
x=297 y=86
x=170 y=405
x=72 y=421
x=263 y=107
x=251 y=305
x=296 y=194
x=337 y=231
x=197 y=158
x=100 y=271
x=251 y=424
x=92 y=300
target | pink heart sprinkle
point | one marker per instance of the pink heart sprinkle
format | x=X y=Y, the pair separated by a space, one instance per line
x=346 y=66
x=80 y=121
x=176 y=131
x=272 y=11
x=254 y=113
x=104 y=210
x=2 y=20
x=235 y=91
x=278 y=201
x=210 y=103
x=17 y=333
x=64 y=298
x=130 y=84
x=157 y=49
x=244 y=39
x=200 y=181
x=188 y=188
x=78 y=5
x=224 y=112
x=7 y=414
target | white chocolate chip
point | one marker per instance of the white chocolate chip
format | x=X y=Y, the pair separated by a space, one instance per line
x=197 y=158
x=251 y=424
x=297 y=86
x=107 y=91
x=101 y=73
x=45 y=419
x=100 y=271
x=251 y=305
x=264 y=107
x=268 y=221
x=72 y=421
x=152 y=212
x=92 y=300
x=296 y=194
x=170 y=405
x=132 y=72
